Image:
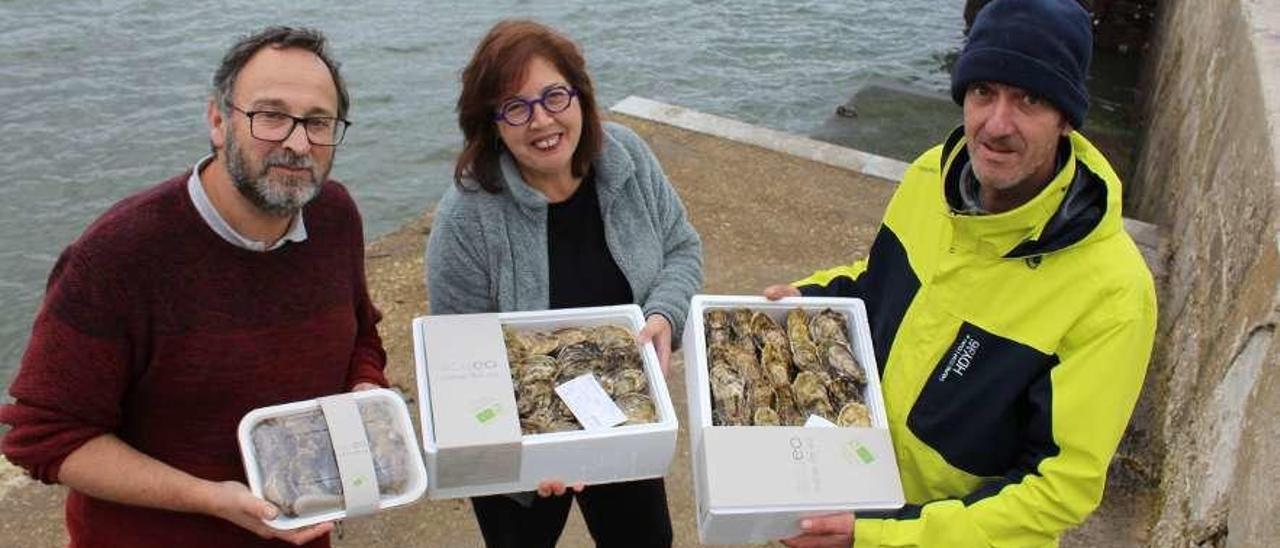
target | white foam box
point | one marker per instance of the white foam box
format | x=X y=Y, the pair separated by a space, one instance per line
x=621 y=453
x=755 y=483
x=417 y=473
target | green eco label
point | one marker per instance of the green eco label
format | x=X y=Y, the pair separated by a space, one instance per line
x=865 y=454
x=487 y=414
x=858 y=451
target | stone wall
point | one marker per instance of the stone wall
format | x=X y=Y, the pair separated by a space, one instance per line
x=1208 y=174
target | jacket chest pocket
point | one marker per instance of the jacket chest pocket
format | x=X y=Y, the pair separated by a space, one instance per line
x=987 y=405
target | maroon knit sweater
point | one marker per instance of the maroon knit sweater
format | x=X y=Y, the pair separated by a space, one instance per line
x=157 y=330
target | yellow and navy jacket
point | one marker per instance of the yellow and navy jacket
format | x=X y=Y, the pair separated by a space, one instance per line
x=1011 y=349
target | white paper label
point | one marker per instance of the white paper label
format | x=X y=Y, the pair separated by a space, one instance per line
x=816 y=421
x=590 y=404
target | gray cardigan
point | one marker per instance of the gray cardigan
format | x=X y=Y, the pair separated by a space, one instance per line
x=488 y=252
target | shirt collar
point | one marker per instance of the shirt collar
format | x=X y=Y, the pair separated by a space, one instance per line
x=970 y=193
x=195 y=188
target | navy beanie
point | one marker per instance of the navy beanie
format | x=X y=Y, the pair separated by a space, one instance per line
x=1042 y=46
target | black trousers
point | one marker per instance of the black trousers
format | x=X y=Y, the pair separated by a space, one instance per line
x=632 y=513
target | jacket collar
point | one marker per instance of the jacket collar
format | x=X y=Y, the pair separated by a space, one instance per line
x=1076 y=205
x=611 y=169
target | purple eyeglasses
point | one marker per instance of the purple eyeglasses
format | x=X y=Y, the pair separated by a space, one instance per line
x=519 y=111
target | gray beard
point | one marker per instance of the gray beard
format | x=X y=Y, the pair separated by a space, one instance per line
x=281 y=198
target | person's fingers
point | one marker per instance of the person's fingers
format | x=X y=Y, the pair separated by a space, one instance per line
x=578 y=487
x=267 y=511
x=818 y=541
x=804 y=541
x=778 y=291
x=306 y=534
x=241 y=507
x=836 y=524
x=646 y=333
x=547 y=488
x=654 y=325
x=662 y=347
x=832 y=531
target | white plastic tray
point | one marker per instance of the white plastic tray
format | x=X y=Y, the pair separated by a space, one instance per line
x=417 y=471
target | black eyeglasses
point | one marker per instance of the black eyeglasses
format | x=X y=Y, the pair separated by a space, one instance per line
x=519 y=111
x=275 y=127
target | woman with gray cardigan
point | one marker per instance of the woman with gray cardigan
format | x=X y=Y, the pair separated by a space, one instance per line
x=554 y=209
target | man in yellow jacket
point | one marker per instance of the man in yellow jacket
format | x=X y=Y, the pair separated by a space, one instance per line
x=1012 y=315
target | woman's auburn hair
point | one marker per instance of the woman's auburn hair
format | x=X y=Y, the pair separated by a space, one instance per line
x=499 y=64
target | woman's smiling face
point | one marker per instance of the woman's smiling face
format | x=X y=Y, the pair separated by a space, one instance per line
x=544 y=146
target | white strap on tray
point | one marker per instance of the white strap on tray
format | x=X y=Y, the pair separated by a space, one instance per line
x=351 y=449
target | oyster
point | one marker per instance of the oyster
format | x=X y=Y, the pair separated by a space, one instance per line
x=606 y=336
x=804 y=353
x=744 y=361
x=533 y=423
x=766 y=331
x=854 y=414
x=797 y=326
x=638 y=408
x=579 y=359
x=520 y=343
x=566 y=336
x=718 y=354
x=719 y=336
x=580 y=351
x=759 y=394
x=535 y=368
x=765 y=416
x=828 y=325
x=840 y=361
x=532 y=396
x=777 y=364
x=811 y=395
x=740 y=323
x=785 y=404
x=730 y=396
x=623 y=357
x=546 y=420
x=516 y=346
x=717 y=318
x=624 y=381
x=844 y=389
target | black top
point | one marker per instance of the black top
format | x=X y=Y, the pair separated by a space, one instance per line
x=582 y=271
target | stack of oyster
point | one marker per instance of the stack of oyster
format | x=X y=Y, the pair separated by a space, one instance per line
x=540 y=361
x=297 y=466
x=764 y=375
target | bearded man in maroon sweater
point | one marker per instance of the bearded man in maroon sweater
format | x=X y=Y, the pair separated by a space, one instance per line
x=235 y=285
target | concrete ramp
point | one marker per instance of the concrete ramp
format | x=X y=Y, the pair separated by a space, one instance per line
x=890 y=119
